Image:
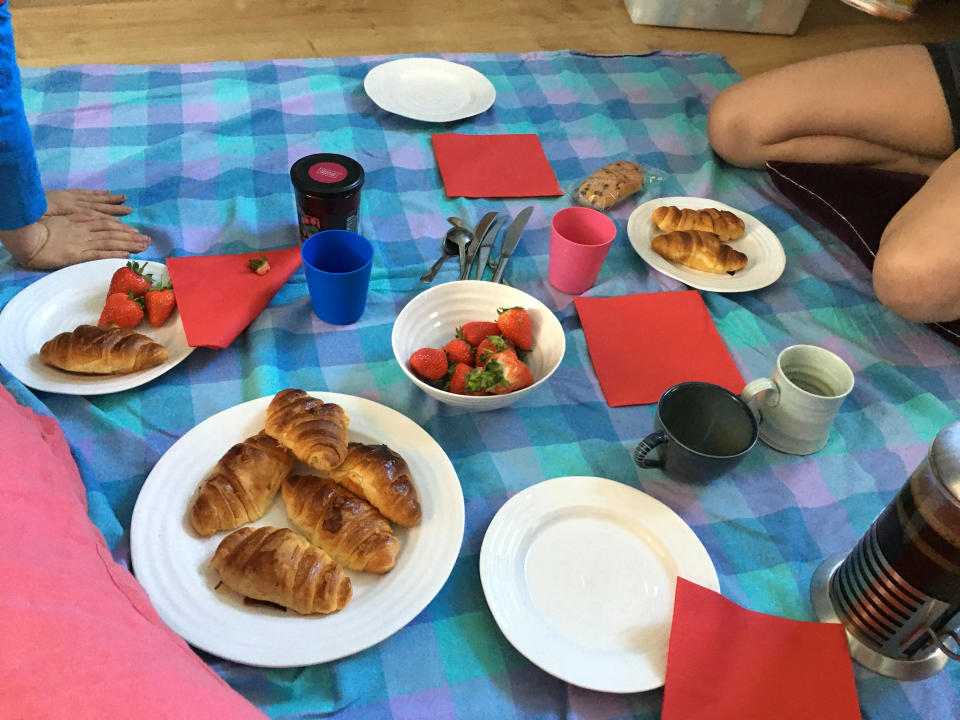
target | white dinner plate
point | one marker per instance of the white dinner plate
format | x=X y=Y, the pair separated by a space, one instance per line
x=580 y=574
x=172 y=562
x=765 y=257
x=61 y=301
x=429 y=89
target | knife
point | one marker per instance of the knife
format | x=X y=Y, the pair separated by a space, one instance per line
x=510 y=240
x=478 y=235
x=483 y=253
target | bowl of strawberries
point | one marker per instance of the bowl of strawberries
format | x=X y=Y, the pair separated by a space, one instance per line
x=477 y=344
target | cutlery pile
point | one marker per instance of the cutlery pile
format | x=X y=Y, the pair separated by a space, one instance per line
x=475 y=254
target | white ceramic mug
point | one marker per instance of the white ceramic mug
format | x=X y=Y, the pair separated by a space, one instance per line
x=797 y=403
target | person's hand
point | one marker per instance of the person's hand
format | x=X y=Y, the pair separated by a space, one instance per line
x=65 y=202
x=56 y=241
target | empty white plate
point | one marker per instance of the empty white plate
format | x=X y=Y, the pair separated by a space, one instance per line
x=429 y=89
x=580 y=575
x=765 y=257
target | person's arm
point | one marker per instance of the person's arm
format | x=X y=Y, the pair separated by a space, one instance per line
x=22 y=201
x=79 y=226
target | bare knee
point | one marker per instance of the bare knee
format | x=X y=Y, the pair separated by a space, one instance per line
x=729 y=129
x=914 y=285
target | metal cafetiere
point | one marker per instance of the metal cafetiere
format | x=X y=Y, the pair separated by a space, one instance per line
x=897 y=592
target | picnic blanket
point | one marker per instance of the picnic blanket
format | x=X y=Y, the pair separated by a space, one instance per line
x=203 y=151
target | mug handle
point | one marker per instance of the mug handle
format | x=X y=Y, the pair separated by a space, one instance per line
x=644 y=447
x=761 y=386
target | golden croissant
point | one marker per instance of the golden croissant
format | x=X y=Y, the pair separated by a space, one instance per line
x=102 y=351
x=242 y=485
x=349 y=528
x=315 y=431
x=382 y=478
x=280 y=566
x=699 y=250
x=723 y=223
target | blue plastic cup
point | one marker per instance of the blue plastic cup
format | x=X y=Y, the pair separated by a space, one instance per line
x=337 y=265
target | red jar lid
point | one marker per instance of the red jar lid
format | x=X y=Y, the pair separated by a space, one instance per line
x=326 y=175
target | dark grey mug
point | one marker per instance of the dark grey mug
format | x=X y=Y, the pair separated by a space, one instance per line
x=701 y=431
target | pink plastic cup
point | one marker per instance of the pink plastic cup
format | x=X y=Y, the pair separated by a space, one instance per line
x=580 y=238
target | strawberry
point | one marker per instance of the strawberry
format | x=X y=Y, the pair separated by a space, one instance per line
x=430 y=363
x=491 y=345
x=474 y=332
x=458 y=382
x=459 y=351
x=514 y=323
x=503 y=372
x=160 y=301
x=131 y=278
x=260 y=265
x=122 y=309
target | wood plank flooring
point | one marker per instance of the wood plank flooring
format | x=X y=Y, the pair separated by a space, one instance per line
x=65 y=32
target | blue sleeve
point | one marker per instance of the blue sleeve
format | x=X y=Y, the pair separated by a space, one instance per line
x=21 y=194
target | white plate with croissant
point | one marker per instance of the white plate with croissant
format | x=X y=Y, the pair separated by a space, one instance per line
x=706 y=244
x=580 y=572
x=66 y=300
x=263 y=537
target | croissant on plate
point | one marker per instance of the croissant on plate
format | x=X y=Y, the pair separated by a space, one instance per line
x=723 y=223
x=699 y=250
x=382 y=478
x=242 y=485
x=315 y=431
x=280 y=566
x=349 y=528
x=102 y=351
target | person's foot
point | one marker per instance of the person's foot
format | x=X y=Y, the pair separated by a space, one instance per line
x=56 y=241
x=65 y=202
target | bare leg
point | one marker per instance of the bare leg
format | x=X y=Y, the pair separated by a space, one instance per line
x=883 y=107
x=917 y=270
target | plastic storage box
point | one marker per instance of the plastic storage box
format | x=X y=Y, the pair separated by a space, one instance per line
x=781 y=17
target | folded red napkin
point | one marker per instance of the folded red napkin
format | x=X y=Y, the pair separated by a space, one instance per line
x=486 y=166
x=219 y=295
x=728 y=663
x=640 y=345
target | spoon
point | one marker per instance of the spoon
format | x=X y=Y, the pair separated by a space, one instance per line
x=450 y=249
x=462 y=237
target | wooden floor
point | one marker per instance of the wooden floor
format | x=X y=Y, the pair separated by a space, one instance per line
x=64 y=32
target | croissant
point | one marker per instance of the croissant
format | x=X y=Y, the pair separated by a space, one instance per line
x=349 y=528
x=723 y=223
x=610 y=184
x=315 y=431
x=242 y=485
x=280 y=566
x=699 y=250
x=382 y=478
x=102 y=351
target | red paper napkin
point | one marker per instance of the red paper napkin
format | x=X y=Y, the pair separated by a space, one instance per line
x=486 y=166
x=218 y=295
x=640 y=345
x=728 y=663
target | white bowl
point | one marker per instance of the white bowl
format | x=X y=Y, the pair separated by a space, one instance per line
x=431 y=319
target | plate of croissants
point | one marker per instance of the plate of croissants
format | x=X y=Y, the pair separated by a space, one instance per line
x=51 y=341
x=297 y=528
x=706 y=244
